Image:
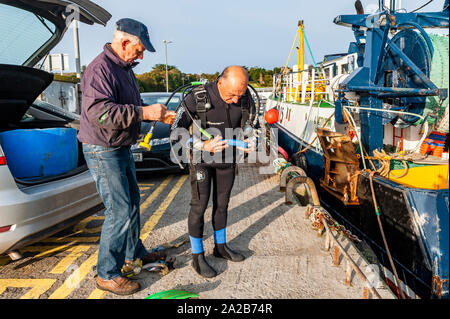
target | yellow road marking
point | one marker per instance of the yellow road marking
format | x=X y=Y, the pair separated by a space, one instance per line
x=46 y=250
x=143 y=189
x=75 y=252
x=97 y=294
x=150 y=224
x=155 y=194
x=153 y=220
x=145 y=184
x=42 y=250
x=76 y=277
x=81 y=226
x=74 y=280
x=38 y=286
x=93 y=239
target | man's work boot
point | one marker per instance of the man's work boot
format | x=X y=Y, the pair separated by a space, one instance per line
x=223 y=251
x=202 y=267
x=119 y=285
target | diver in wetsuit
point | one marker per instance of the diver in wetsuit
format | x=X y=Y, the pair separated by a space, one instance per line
x=228 y=98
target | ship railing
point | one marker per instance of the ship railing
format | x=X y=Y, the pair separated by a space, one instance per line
x=300 y=86
x=425 y=129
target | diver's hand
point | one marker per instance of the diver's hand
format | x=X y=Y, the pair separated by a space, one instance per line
x=169 y=117
x=154 y=112
x=217 y=144
x=251 y=146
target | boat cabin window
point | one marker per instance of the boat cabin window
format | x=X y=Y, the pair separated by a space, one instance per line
x=351 y=63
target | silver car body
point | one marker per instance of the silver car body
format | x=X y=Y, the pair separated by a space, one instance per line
x=30 y=212
x=36 y=212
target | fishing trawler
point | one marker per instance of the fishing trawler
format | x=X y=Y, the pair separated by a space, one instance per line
x=370 y=127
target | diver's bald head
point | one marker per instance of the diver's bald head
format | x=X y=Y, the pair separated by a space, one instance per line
x=235 y=73
x=232 y=83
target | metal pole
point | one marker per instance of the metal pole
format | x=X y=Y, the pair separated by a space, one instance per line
x=167 y=74
x=62 y=63
x=76 y=44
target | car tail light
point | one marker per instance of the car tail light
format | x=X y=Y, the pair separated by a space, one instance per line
x=2 y=158
x=5 y=228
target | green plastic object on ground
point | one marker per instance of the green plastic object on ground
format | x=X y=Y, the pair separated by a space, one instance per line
x=173 y=294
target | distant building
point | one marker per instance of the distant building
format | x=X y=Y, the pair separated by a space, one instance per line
x=57 y=62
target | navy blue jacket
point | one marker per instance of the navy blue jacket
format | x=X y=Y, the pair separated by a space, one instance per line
x=111 y=108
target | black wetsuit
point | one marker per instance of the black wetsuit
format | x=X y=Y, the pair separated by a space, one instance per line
x=205 y=174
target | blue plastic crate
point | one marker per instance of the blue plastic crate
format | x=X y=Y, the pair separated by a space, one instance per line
x=38 y=153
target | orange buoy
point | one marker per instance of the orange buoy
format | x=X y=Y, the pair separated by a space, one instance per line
x=271 y=116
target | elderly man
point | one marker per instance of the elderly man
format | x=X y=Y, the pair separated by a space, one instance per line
x=111 y=115
x=228 y=98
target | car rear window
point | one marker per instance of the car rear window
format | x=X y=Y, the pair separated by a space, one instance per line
x=174 y=101
x=21 y=34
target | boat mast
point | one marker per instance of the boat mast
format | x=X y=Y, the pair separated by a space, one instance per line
x=300 y=53
x=391 y=5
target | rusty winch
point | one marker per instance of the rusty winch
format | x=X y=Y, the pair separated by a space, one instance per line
x=341 y=166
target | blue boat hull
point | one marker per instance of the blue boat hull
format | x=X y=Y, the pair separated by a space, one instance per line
x=415 y=221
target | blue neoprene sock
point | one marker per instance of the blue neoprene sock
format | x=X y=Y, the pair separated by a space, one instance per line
x=220 y=236
x=196 y=245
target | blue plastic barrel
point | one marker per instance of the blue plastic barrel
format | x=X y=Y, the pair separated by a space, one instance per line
x=38 y=153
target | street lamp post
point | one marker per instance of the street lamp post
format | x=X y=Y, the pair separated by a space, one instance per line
x=167 y=74
x=76 y=44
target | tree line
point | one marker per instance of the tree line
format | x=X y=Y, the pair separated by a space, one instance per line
x=155 y=80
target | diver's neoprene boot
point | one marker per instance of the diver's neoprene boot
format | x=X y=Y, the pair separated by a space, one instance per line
x=223 y=251
x=202 y=267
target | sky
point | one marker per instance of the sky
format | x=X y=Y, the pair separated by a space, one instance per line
x=208 y=35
